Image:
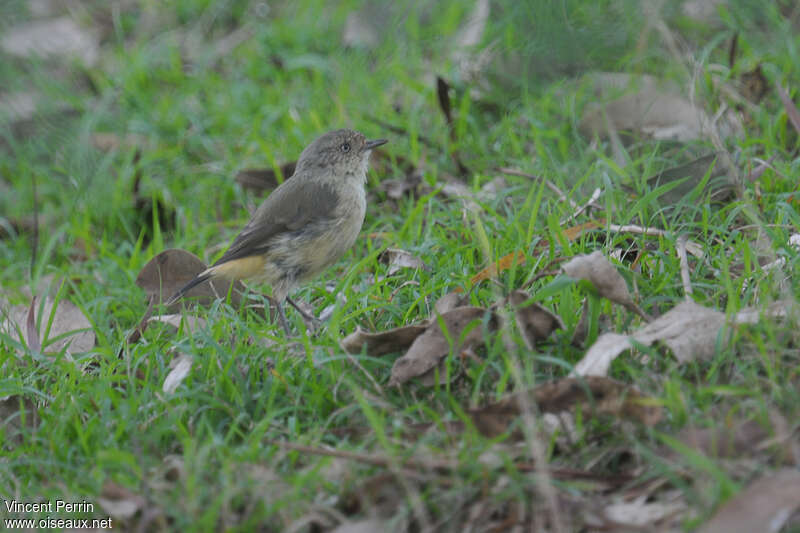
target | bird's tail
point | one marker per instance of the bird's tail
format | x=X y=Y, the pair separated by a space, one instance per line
x=189 y=286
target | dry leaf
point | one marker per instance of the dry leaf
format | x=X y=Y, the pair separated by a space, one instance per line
x=181 y=366
x=393 y=340
x=534 y=321
x=170 y=270
x=504 y=263
x=449 y=301
x=430 y=348
x=689 y=330
x=191 y=323
x=596 y=269
x=68 y=322
x=398 y=259
x=649 y=107
x=107 y=141
x=791 y=109
x=692 y=173
x=599 y=394
x=764 y=506
x=259 y=180
x=725 y=439
x=51 y=37
x=641 y=513
x=119 y=502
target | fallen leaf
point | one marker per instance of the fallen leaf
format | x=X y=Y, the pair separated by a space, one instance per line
x=393 y=340
x=504 y=263
x=689 y=330
x=596 y=269
x=449 y=301
x=181 y=366
x=535 y=322
x=107 y=141
x=601 y=395
x=692 y=173
x=170 y=270
x=16 y=410
x=191 y=323
x=791 y=109
x=464 y=55
x=119 y=502
x=51 y=37
x=764 y=506
x=641 y=513
x=430 y=348
x=648 y=107
x=729 y=438
x=69 y=325
x=259 y=180
x=398 y=259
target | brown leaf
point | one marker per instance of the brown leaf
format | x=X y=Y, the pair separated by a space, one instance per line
x=119 y=502
x=449 y=301
x=170 y=270
x=398 y=259
x=12 y=409
x=32 y=334
x=600 y=394
x=432 y=346
x=107 y=141
x=692 y=173
x=180 y=368
x=725 y=439
x=602 y=274
x=648 y=107
x=393 y=340
x=51 y=37
x=765 y=505
x=534 y=321
x=689 y=330
x=69 y=325
x=190 y=323
x=791 y=109
x=259 y=180
x=504 y=263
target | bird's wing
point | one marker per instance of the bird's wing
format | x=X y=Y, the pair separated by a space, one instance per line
x=293 y=205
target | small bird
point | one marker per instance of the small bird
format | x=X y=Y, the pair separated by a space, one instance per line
x=305 y=225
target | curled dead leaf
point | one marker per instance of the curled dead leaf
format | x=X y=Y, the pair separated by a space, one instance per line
x=433 y=345
x=598 y=270
x=170 y=270
x=393 y=340
x=765 y=505
x=535 y=322
x=599 y=394
x=181 y=366
x=51 y=37
x=398 y=259
x=70 y=330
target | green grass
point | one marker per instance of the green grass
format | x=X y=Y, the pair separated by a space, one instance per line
x=202 y=457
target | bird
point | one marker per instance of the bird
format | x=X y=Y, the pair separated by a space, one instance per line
x=305 y=225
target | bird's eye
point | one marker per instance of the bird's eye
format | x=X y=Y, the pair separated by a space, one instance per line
x=345 y=147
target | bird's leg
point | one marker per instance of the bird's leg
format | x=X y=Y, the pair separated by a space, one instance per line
x=309 y=318
x=282 y=317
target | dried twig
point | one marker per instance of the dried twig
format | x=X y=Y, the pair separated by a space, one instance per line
x=550 y=185
x=684 y=261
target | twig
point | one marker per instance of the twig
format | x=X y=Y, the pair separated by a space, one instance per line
x=684 y=261
x=591 y=202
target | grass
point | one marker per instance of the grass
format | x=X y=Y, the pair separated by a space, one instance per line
x=202 y=458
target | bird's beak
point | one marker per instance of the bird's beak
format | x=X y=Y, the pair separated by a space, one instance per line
x=374 y=144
